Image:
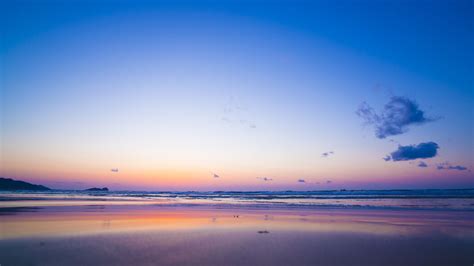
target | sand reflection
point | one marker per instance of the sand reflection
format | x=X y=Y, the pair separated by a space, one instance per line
x=87 y=220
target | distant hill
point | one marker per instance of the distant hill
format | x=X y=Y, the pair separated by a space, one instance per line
x=104 y=189
x=10 y=184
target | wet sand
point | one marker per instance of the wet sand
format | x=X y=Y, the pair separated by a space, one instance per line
x=160 y=235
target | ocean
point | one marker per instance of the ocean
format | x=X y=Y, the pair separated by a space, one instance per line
x=445 y=199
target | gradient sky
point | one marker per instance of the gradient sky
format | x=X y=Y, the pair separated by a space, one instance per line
x=171 y=93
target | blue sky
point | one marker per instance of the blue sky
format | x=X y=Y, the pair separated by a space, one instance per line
x=172 y=92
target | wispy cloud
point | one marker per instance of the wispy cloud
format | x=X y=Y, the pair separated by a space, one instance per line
x=412 y=152
x=115 y=170
x=327 y=154
x=235 y=112
x=266 y=179
x=215 y=175
x=247 y=123
x=395 y=118
x=422 y=164
x=448 y=166
x=301 y=181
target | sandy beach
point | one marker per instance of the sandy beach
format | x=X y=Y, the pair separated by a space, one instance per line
x=85 y=234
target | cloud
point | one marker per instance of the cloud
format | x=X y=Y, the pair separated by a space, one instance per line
x=248 y=123
x=242 y=122
x=301 y=181
x=326 y=154
x=397 y=115
x=422 y=164
x=235 y=113
x=328 y=182
x=448 y=166
x=412 y=152
x=215 y=175
x=115 y=170
x=265 y=178
x=233 y=105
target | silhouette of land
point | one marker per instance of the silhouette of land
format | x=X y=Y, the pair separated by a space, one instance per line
x=10 y=184
x=104 y=189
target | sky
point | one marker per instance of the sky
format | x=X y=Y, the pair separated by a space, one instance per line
x=237 y=95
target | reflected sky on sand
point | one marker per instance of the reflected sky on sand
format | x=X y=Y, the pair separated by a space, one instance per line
x=144 y=234
x=103 y=219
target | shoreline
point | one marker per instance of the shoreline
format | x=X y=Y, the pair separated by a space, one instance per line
x=463 y=204
x=206 y=235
